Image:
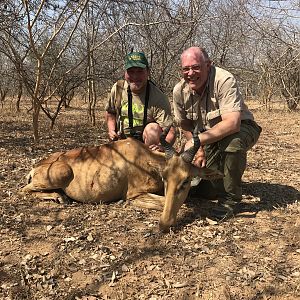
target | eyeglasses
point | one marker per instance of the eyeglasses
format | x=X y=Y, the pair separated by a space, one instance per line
x=194 y=68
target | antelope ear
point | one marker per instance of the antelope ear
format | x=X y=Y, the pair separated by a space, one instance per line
x=206 y=173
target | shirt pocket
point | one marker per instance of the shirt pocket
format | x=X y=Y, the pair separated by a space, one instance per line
x=213 y=117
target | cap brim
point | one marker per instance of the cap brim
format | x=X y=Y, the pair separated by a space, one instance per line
x=132 y=64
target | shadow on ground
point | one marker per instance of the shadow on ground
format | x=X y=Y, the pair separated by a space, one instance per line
x=271 y=195
x=258 y=196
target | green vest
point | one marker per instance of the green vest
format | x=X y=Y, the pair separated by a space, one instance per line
x=137 y=113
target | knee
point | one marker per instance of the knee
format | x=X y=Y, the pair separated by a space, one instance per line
x=235 y=162
x=232 y=144
x=151 y=134
x=241 y=141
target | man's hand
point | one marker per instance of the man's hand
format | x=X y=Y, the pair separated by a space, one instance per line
x=113 y=136
x=199 y=158
x=156 y=148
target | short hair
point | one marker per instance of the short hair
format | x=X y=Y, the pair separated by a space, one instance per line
x=202 y=51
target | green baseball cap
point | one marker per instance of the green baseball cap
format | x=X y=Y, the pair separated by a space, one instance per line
x=136 y=59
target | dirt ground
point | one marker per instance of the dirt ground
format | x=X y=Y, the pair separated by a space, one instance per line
x=54 y=251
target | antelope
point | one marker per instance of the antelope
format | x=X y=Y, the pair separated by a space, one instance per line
x=125 y=169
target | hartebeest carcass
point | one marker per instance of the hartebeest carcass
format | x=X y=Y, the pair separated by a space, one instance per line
x=125 y=169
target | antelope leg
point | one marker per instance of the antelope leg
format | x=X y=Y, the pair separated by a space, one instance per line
x=148 y=200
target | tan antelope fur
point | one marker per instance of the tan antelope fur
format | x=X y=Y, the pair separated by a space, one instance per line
x=125 y=169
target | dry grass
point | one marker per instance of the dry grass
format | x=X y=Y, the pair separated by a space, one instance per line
x=52 y=251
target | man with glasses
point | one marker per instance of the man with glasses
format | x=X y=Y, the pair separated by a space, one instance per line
x=209 y=97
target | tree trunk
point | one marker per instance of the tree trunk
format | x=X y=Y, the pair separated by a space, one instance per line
x=20 y=91
x=35 y=120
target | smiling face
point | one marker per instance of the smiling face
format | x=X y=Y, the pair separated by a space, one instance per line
x=137 y=78
x=195 y=68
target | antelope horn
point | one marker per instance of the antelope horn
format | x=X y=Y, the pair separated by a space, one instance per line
x=169 y=150
x=189 y=154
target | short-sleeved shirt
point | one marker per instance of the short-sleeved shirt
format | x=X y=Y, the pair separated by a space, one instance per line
x=159 y=109
x=220 y=96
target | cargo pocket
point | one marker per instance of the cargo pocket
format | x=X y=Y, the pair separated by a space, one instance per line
x=250 y=133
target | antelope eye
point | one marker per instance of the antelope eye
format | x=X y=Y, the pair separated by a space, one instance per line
x=185 y=183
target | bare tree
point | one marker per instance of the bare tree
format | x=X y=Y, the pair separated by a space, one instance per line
x=290 y=77
x=45 y=23
x=58 y=47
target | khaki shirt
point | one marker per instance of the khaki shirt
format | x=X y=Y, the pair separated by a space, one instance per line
x=159 y=109
x=221 y=96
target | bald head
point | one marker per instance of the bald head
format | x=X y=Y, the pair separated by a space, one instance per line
x=197 y=53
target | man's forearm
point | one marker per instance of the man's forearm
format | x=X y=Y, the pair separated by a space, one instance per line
x=111 y=121
x=226 y=127
x=171 y=136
